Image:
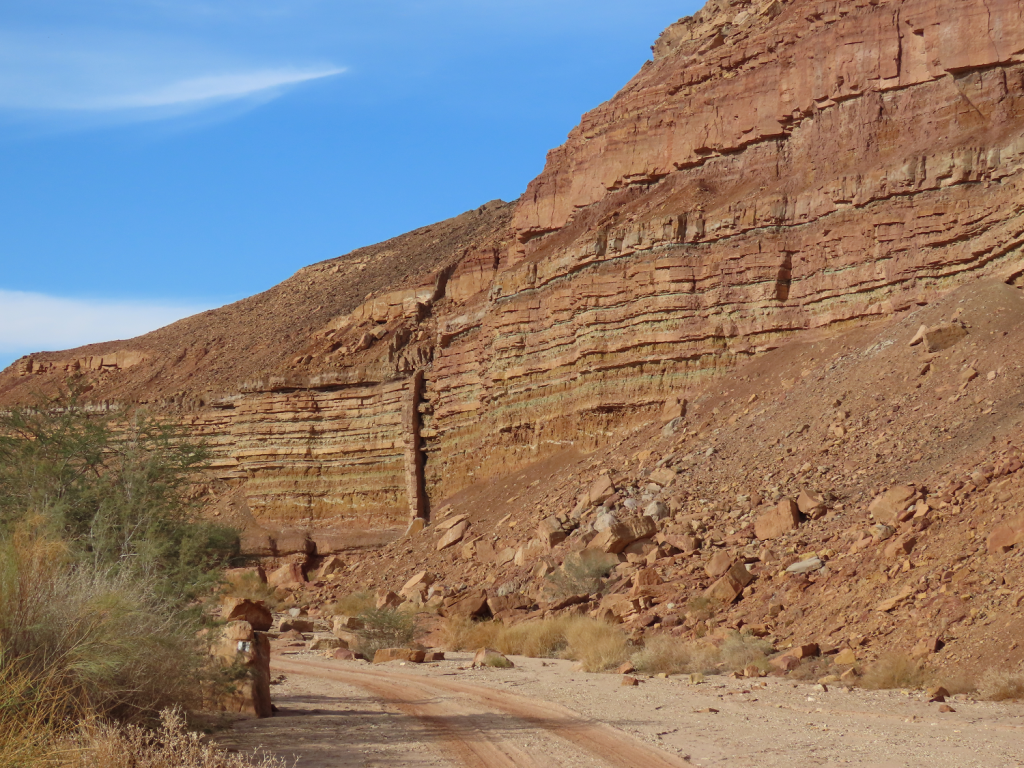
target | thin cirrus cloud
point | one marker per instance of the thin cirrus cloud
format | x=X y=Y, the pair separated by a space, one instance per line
x=33 y=322
x=67 y=74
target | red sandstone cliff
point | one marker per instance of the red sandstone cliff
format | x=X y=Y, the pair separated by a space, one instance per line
x=778 y=167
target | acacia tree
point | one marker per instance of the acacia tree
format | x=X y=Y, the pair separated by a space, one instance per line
x=115 y=488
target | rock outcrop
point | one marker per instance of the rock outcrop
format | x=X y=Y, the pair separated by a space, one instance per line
x=779 y=168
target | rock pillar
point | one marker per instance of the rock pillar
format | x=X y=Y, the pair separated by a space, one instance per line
x=415 y=489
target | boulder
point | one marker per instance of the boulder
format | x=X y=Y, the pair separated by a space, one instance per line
x=621 y=535
x=1006 y=535
x=887 y=507
x=805 y=566
x=601 y=489
x=450 y=523
x=453 y=535
x=550 y=532
x=325 y=644
x=774 y=523
x=674 y=408
x=663 y=476
x=656 y=510
x=384 y=655
x=604 y=521
x=332 y=564
x=417 y=585
x=719 y=564
x=811 y=505
x=253 y=611
x=288 y=575
x=943 y=336
x=299 y=625
x=472 y=603
x=730 y=585
x=685 y=543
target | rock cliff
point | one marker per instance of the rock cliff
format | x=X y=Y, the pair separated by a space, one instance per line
x=779 y=168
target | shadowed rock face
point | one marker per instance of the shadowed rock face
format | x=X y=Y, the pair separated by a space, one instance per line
x=778 y=167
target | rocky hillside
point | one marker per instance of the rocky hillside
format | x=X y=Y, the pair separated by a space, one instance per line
x=782 y=175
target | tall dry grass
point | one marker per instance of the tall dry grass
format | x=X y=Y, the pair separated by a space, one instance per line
x=597 y=645
x=673 y=655
x=171 y=745
x=104 y=639
x=894 y=670
x=1002 y=684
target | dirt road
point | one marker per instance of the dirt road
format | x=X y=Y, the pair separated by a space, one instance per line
x=544 y=713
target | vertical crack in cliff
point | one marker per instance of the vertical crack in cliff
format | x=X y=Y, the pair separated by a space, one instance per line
x=415 y=486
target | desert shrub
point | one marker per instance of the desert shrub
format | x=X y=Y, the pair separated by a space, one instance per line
x=354 y=604
x=673 y=655
x=385 y=628
x=251 y=587
x=597 y=645
x=741 y=649
x=461 y=633
x=537 y=639
x=171 y=745
x=120 y=493
x=105 y=638
x=1002 y=684
x=31 y=715
x=500 y=662
x=701 y=608
x=894 y=670
x=581 y=573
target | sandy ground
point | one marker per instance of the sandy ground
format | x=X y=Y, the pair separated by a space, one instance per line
x=336 y=714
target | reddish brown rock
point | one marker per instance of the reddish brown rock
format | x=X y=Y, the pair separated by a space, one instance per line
x=288 y=575
x=385 y=655
x=887 y=507
x=255 y=612
x=784 y=518
x=472 y=603
x=731 y=585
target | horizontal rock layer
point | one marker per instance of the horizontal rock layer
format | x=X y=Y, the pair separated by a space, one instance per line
x=778 y=168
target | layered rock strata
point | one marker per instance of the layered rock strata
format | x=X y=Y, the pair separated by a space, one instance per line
x=778 y=168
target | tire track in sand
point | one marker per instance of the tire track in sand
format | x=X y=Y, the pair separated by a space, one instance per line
x=474 y=741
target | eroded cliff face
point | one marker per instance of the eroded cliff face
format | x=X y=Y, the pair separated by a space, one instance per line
x=777 y=168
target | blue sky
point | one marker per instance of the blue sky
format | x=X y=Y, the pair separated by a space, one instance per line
x=161 y=157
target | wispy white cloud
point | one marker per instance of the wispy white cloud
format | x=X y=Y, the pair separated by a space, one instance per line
x=35 y=322
x=89 y=72
x=211 y=88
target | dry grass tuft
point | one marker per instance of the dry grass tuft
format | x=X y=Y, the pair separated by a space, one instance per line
x=894 y=670
x=249 y=586
x=597 y=645
x=673 y=655
x=460 y=633
x=1001 y=684
x=741 y=649
x=536 y=639
x=169 y=746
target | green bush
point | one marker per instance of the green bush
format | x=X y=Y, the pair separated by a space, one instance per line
x=385 y=628
x=118 y=491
